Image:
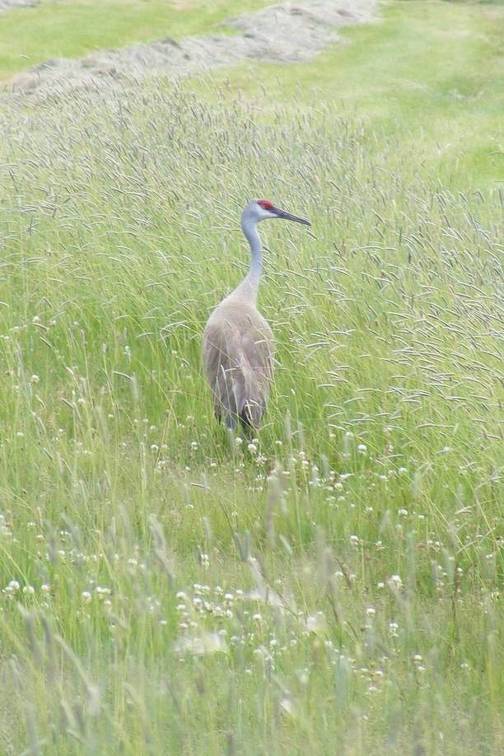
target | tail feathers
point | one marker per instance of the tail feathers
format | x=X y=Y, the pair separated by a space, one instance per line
x=250 y=415
x=238 y=399
x=246 y=418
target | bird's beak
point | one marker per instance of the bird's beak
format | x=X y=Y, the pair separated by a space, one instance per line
x=288 y=216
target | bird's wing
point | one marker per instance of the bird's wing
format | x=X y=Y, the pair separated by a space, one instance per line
x=238 y=357
x=257 y=368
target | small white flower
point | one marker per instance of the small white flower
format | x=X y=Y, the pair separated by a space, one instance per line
x=207 y=643
x=204 y=560
x=316 y=623
x=394 y=582
x=287 y=707
x=86 y=596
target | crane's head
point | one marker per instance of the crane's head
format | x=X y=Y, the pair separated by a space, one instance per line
x=262 y=209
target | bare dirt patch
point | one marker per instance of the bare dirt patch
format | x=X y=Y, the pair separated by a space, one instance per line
x=282 y=33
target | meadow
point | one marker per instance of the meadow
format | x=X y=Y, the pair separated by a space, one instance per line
x=74 y=28
x=334 y=585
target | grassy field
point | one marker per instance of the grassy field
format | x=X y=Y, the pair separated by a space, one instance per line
x=430 y=76
x=336 y=585
x=73 y=28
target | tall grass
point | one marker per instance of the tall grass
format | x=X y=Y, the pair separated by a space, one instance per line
x=428 y=75
x=334 y=586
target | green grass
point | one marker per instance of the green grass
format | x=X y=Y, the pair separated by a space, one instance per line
x=73 y=28
x=429 y=75
x=337 y=585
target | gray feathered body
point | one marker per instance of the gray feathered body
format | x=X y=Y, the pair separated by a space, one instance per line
x=238 y=358
x=238 y=343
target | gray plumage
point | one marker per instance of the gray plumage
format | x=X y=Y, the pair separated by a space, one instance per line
x=238 y=355
x=238 y=345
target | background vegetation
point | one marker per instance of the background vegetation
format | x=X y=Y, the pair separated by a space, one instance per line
x=334 y=585
x=73 y=28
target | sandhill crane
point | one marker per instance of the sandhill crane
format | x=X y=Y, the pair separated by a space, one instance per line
x=238 y=343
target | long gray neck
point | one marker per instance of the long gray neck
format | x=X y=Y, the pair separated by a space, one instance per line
x=250 y=283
